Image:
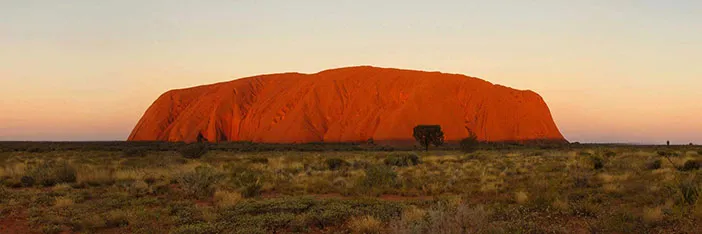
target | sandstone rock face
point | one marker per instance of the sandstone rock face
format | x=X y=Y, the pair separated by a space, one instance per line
x=346 y=105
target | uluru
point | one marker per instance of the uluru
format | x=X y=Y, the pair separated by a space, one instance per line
x=351 y=104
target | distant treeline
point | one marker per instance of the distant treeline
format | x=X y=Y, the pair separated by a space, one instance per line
x=260 y=147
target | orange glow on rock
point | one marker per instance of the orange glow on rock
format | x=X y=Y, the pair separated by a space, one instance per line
x=346 y=105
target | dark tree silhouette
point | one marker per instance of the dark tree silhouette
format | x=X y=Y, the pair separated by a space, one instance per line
x=429 y=135
x=470 y=143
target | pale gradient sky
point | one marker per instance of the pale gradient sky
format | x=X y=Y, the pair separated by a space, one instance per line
x=610 y=70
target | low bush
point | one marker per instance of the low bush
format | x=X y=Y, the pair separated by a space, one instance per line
x=609 y=153
x=336 y=163
x=247 y=180
x=185 y=213
x=597 y=162
x=116 y=218
x=470 y=143
x=667 y=153
x=278 y=214
x=27 y=181
x=379 y=176
x=199 y=183
x=402 y=159
x=50 y=173
x=690 y=191
x=197 y=228
x=691 y=165
x=259 y=160
x=653 y=165
x=443 y=218
x=192 y=151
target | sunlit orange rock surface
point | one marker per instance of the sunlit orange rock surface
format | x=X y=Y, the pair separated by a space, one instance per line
x=346 y=105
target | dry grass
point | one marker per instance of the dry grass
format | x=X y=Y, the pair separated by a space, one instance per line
x=521 y=197
x=508 y=191
x=61 y=202
x=94 y=175
x=226 y=199
x=13 y=170
x=365 y=224
x=653 y=215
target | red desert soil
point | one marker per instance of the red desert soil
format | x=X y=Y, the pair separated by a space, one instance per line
x=14 y=223
x=346 y=105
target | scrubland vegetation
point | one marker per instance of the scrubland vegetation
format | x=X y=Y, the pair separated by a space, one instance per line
x=571 y=189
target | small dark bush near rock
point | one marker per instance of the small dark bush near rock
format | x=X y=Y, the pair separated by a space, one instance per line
x=402 y=160
x=134 y=152
x=470 y=143
x=336 y=163
x=653 y=165
x=195 y=150
x=691 y=165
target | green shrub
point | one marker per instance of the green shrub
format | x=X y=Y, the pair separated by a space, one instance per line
x=667 y=153
x=277 y=205
x=52 y=172
x=609 y=153
x=655 y=164
x=184 y=213
x=597 y=162
x=195 y=150
x=690 y=191
x=402 y=159
x=199 y=183
x=299 y=213
x=248 y=181
x=379 y=176
x=360 y=164
x=336 y=163
x=51 y=228
x=691 y=165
